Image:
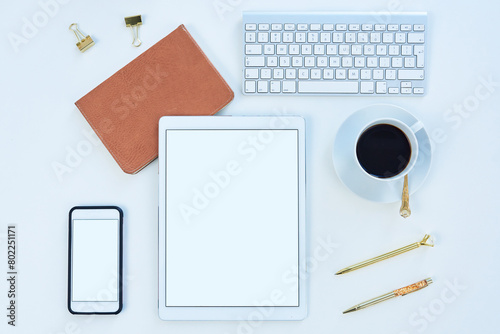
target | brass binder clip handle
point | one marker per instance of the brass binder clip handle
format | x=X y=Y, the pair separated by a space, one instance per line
x=133 y=22
x=83 y=42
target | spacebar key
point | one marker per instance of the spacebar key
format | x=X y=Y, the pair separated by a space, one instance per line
x=332 y=87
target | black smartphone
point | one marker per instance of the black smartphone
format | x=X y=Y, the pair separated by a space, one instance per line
x=95 y=260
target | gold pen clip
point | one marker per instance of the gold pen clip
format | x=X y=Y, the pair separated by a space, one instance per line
x=133 y=22
x=84 y=42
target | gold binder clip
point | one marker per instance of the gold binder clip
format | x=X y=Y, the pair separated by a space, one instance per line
x=134 y=22
x=84 y=43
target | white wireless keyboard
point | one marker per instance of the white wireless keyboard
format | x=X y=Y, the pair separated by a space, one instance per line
x=330 y=53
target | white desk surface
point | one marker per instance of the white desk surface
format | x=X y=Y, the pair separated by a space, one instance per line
x=40 y=126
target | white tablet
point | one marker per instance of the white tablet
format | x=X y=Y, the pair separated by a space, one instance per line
x=232 y=218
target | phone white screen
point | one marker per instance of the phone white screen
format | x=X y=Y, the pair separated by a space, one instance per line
x=95 y=260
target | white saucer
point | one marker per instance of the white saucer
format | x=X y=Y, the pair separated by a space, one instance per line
x=347 y=168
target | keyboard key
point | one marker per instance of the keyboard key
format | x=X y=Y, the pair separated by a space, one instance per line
x=284 y=61
x=262 y=86
x=288 y=37
x=318 y=87
x=394 y=50
x=319 y=49
x=290 y=73
x=328 y=27
x=275 y=37
x=278 y=73
x=387 y=37
x=411 y=74
x=406 y=50
x=354 y=27
x=265 y=73
x=340 y=74
x=341 y=27
x=379 y=27
x=250 y=26
x=371 y=62
x=418 y=27
x=268 y=49
x=405 y=84
x=409 y=62
x=300 y=37
x=309 y=61
x=384 y=62
x=397 y=62
x=378 y=74
x=350 y=37
x=306 y=49
x=250 y=86
x=366 y=87
x=322 y=62
x=303 y=73
x=276 y=26
x=315 y=27
x=315 y=74
x=359 y=62
x=289 y=26
x=393 y=90
x=390 y=74
x=400 y=37
x=302 y=26
x=381 y=50
x=275 y=86
x=281 y=49
x=393 y=27
x=353 y=75
x=367 y=27
x=331 y=49
x=263 y=26
x=272 y=61
x=328 y=74
x=288 y=86
x=418 y=90
x=375 y=37
x=252 y=73
x=338 y=37
x=366 y=74
x=418 y=51
x=406 y=27
x=344 y=49
x=357 y=50
x=334 y=61
x=381 y=87
x=405 y=90
x=294 y=49
x=253 y=49
x=369 y=50
x=250 y=37
x=416 y=37
x=362 y=37
x=325 y=37
x=263 y=37
x=297 y=61
x=346 y=61
x=312 y=37
x=253 y=61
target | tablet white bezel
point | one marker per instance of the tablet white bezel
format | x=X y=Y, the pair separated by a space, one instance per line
x=238 y=312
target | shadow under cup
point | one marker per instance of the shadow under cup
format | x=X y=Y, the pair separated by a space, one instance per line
x=385 y=149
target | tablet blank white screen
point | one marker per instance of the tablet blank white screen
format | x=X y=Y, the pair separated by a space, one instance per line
x=232 y=218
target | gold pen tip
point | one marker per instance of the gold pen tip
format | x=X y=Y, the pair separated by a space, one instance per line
x=352 y=309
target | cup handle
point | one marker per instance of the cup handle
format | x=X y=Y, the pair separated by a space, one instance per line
x=417 y=127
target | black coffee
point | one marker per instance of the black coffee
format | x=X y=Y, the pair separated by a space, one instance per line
x=383 y=150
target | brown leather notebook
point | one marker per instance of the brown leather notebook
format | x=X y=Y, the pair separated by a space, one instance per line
x=173 y=77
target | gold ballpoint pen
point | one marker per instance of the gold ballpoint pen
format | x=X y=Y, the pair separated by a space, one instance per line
x=387 y=255
x=399 y=292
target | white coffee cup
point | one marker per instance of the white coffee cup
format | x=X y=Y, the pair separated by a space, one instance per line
x=409 y=132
